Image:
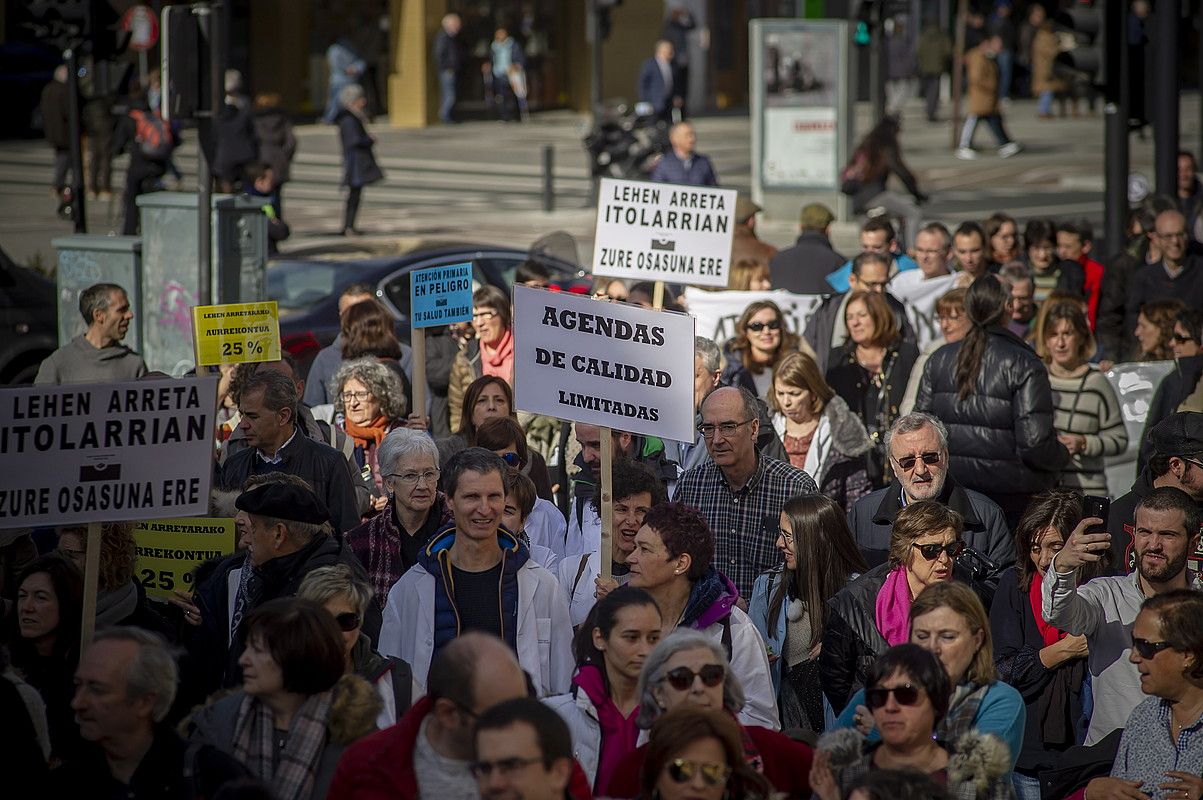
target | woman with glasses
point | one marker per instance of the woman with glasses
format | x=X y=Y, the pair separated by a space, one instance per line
x=673 y=561
x=387 y=545
x=689 y=670
x=819 y=432
x=297 y=710
x=1044 y=664
x=1086 y=413
x=1181 y=380
x=489 y=352
x=1161 y=750
x=368 y=403
x=368 y=331
x=698 y=755
x=871 y=369
x=762 y=338
x=872 y=613
x=789 y=605
x=346 y=597
x=610 y=647
x=908 y=701
x=950 y=316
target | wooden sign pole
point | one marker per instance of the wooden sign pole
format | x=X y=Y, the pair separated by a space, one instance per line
x=418 y=341
x=607 y=503
x=658 y=296
x=87 y=625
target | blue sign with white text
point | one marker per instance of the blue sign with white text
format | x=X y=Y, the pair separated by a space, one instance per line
x=440 y=296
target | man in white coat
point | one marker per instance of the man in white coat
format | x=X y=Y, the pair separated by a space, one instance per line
x=475 y=576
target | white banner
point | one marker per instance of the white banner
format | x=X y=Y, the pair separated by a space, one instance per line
x=919 y=295
x=601 y=363
x=106 y=452
x=717 y=312
x=664 y=232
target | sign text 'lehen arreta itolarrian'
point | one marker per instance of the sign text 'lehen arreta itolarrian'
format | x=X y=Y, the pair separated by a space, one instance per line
x=664 y=232
x=106 y=452
x=607 y=364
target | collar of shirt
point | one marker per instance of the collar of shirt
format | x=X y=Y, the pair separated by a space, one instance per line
x=1163 y=713
x=277 y=458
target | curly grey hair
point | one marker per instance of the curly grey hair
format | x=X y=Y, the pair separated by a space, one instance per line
x=653 y=673
x=378 y=379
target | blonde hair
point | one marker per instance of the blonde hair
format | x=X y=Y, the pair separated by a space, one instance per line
x=800 y=370
x=744 y=272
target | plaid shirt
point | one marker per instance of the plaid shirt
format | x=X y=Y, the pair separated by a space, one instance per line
x=745 y=521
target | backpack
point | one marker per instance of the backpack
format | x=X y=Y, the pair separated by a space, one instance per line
x=853 y=175
x=153 y=135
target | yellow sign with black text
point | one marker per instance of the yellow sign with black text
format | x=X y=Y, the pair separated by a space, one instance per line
x=236 y=333
x=170 y=549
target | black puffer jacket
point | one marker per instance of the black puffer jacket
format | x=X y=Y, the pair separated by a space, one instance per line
x=1001 y=436
x=851 y=641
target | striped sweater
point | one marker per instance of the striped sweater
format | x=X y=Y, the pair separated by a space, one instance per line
x=1087 y=405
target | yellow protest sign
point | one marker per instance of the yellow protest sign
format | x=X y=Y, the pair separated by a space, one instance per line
x=236 y=333
x=169 y=549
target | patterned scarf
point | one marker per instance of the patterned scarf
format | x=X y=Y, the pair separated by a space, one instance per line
x=290 y=773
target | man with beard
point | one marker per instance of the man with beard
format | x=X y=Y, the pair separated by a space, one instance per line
x=1104 y=609
x=917 y=445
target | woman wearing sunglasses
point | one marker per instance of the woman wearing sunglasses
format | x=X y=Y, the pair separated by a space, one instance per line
x=297 y=710
x=872 y=613
x=789 y=605
x=346 y=597
x=698 y=755
x=762 y=338
x=1161 y=751
x=610 y=647
x=1176 y=386
x=689 y=670
x=908 y=698
x=1043 y=663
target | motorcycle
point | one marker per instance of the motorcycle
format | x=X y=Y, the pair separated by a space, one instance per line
x=625 y=143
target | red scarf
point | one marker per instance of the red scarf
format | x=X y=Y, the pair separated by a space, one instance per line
x=367 y=436
x=499 y=361
x=1047 y=632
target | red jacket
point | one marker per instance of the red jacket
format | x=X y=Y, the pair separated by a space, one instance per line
x=1094 y=283
x=786 y=765
x=381 y=766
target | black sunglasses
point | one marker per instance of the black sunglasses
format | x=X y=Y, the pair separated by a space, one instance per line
x=1180 y=339
x=1149 y=649
x=681 y=678
x=908 y=462
x=878 y=696
x=931 y=552
x=682 y=770
x=757 y=327
x=347 y=621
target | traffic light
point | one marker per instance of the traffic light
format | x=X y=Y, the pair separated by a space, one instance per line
x=1082 y=29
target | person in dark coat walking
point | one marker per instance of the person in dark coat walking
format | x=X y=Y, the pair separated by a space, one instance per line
x=277 y=143
x=359 y=164
x=150 y=141
x=237 y=146
x=660 y=82
x=803 y=268
x=993 y=393
x=55 y=107
x=449 y=59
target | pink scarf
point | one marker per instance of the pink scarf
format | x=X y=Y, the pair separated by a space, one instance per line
x=894 y=607
x=499 y=362
x=619 y=734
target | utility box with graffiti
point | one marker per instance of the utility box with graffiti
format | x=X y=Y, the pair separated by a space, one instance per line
x=85 y=260
x=170 y=275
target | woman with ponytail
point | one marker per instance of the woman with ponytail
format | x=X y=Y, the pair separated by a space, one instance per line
x=993 y=393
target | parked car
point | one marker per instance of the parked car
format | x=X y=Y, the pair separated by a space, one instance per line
x=307 y=291
x=28 y=321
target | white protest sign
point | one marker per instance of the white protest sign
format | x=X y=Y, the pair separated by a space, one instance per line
x=607 y=364
x=718 y=312
x=919 y=295
x=664 y=232
x=106 y=452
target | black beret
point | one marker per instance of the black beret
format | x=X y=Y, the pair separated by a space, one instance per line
x=284 y=501
x=1179 y=434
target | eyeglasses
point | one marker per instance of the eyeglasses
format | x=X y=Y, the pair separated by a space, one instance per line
x=924 y=252
x=907 y=463
x=1198 y=464
x=682 y=770
x=931 y=552
x=945 y=318
x=757 y=327
x=878 y=696
x=707 y=429
x=510 y=459
x=1174 y=235
x=873 y=286
x=681 y=678
x=505 y=766
x=1180 y=339
x=412 y=478
x=347 y=621
x=356 y=396
x=483 y=315
x=1148 y=649
x=786 y=536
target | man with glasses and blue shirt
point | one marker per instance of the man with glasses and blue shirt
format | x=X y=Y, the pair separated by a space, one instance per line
x=740 y=491
x=917 y=447
x=1104 y=609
